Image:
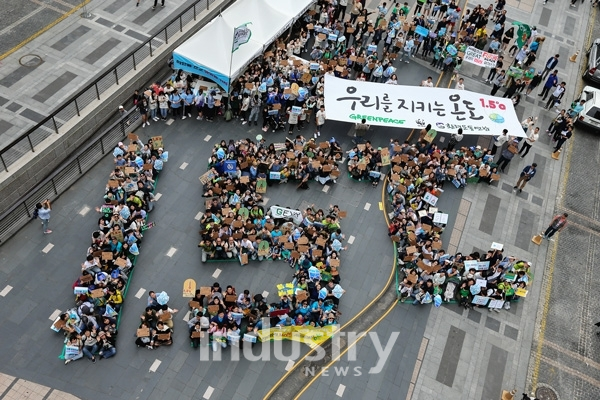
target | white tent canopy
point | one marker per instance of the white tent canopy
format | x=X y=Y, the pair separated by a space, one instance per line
x=208 y=52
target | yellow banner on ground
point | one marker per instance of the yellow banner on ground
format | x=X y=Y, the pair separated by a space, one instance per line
x=310 y=335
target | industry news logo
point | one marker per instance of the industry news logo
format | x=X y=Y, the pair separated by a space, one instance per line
x=341 y=348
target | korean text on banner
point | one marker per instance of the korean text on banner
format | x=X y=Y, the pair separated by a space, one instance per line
x=480 y=57
x=413 y=107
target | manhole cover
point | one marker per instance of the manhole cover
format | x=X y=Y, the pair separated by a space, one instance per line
x=30 y=60
x=545 y=393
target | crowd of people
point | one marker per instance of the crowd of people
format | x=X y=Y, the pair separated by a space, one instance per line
x=90 y=328
x=236 y=226
x=430 y=274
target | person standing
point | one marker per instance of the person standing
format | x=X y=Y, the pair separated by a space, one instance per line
x=455 y=138
x=564 y=135
x=534 y=82
x=427 y=82
x=505 y=157
x=495 y=70
x=526 y=175
x=499 y=141
x=550 y=83
x=360 y=128
x=43 y=211
x=558 y=223
x=556 y=96
x=357 y=8
x=533 y=136
x=320 y=120
x=498 y=82
x=162 y=4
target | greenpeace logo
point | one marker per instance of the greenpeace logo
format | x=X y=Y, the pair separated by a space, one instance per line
x=371 y=118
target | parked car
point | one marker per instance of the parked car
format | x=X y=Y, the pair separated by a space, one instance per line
x=590 y=115
x=592 y=72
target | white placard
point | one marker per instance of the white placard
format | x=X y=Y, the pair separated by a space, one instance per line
x=496 y=304
x=429 y=198
x=482 y=265
x=440 y=218
x=497 y=246
x=280 y=212
x=422 y=213
x=432 y=210
x=411 y=107
x=470 y=264
x=480 y=57
x=481 y=282
x=480 y=300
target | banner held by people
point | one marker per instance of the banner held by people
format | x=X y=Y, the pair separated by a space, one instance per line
x=413 y=107
x=480 y=57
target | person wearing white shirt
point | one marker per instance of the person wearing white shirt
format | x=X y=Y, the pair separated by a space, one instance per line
x=428 y=82
x=460 y=84
x=393 y=80
x=534 y=135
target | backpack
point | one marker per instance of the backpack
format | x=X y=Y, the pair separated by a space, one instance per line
x=228 y=115
x=35 y=214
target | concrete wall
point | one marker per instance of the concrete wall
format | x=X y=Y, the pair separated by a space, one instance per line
x=33 y=168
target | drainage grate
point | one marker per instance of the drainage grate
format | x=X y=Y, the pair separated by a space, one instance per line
x=545 y=393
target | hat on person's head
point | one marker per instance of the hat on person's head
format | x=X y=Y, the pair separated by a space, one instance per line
x=160 y=149
x=121 y=107
x=120 y=144
x=259 y=137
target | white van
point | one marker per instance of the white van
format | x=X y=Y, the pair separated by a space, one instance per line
x=590 y=116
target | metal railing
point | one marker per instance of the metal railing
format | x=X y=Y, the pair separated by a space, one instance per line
x=64 y=176
x=111 y=132
x=53 y=124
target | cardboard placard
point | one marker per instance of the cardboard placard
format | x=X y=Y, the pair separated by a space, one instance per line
x=343 y=214
x=295 y=255
x=194 y=304
x=249 y=86
x=303 y=240
x=157 y=142
x=143 y=332
x=97 y=293
x=288 y=245
x=317 y=253
x=197 y=335
x=213 y=309
x=113 y=183
x=244 y=259
x=86 y=278
x=334 y=262
x=205 y=290
x=301 y=295
x=164 y=336
x=165 y=316
x=321 y=242
x=147 y=167
x=303 y=249
x=411 y=250
x=230 y=298
x=107 y=256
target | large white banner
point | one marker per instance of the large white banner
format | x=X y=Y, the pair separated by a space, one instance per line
x=280 y=212
x=480 y=57
x=414 y=107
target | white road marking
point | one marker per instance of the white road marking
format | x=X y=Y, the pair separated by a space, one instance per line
x=48 y=247
x=207 y=138
x=367 y=206
x=351 y=239
x=84 y=211
x=187 y=316
x=157 y=196
x=217 y=273
x=140 y=293
x=199 y=216
x=183 y=166
x=170 y=121
x=289 y=365
x=54 y=315
x=5 y=291
x=265 y=200
x=208 y=393
x=340 y=391
x=171 y=251
x=155 y=365
x=265 y=294
x=325 y=189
